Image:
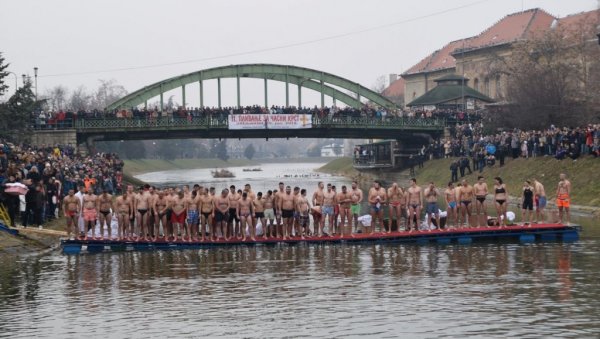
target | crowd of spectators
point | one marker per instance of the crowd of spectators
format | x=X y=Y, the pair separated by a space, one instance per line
x=475 y=150
x=47 y=173
x=66 y=119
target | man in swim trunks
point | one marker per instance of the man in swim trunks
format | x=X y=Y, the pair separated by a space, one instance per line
x=415 y=204
x=286 y=205
x=327 y=209
x=563 y=198
x=357 y=198
x=431 y=210
x=248 y=190
x=193 y=216
x=142 y=206
x=278 y=195
x=124 y=209
x=540 y=198
x=296 y=222
x=466 y=198
x=220 y=217
x=377 y=198
x=258 y=205
x=105 y=217
x=268 y=204
x=303 y=209
x=233 y=223
x=131 y=196
x=160 y=207
x=344 y=200
x=89 y=213
x=317 y=201
x=71 y=208
x=450 y=197
x=179 y=207
x=245 y=212
x=397 y=199
x=480 y=189
x=206 y=211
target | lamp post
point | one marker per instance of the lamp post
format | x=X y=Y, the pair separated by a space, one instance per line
x=16 y=80
x=35 y=72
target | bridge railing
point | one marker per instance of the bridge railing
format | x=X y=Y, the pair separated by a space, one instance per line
x=221 y=122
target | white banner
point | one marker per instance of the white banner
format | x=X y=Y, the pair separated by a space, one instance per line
x=269 y=121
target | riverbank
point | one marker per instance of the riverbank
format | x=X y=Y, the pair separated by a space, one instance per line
x=31 y=241
x=514 y=173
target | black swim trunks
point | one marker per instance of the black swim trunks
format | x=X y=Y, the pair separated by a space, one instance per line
x=233 y=215
x=287 y=213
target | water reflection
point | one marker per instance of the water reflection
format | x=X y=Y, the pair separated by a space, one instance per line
x=316 y=290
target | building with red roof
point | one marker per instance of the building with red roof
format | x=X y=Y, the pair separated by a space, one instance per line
x=478 y=58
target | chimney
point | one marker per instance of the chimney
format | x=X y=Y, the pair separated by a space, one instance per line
x=393 y=77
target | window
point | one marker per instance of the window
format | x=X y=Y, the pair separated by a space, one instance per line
x=486 y=86
x=498 y=87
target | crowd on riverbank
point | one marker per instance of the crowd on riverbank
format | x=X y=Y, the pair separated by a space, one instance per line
x=474 y=150
x=35 y=179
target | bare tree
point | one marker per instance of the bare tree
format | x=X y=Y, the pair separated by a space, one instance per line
x=380 y=84
x=551 y=78
x=108 y=92
x=56 y=98
x=80 y=99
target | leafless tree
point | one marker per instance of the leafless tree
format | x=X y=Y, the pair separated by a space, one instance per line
x=80 y=99
x=56 y=98
x=553 y=78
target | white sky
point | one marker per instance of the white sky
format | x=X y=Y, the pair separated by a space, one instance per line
x=82 y=37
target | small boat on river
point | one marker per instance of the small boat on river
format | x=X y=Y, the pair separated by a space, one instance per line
x=258 y=169
x=463 y=236
x=222 y=173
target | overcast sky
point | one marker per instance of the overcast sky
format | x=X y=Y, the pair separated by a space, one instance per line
x=76 y=42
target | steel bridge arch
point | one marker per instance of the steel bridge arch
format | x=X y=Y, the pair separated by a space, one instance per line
x=304 y=77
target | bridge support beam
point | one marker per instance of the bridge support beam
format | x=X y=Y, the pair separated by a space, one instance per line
x=322 y=95
x=183 y=96
x=161 y=99
x=266 y=93
x=238 y=90
x=299 y=95
x=287 y=89
x=219 y=91
x=201 y=94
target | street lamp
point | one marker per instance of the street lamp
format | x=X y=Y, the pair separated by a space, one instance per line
x=16 y=80
x=35 y=71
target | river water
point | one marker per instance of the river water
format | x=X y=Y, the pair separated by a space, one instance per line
x=485 y=290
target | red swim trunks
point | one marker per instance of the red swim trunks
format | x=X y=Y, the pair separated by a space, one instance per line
x=178 y=218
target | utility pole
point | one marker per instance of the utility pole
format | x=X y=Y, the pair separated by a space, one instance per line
x=35 y=72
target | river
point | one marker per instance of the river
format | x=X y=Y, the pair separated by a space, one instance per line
x=487 y=290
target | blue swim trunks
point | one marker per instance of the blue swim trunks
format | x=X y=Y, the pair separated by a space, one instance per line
x=327 y=210
x=452 y=204
x=192 y=217
x=542 y=202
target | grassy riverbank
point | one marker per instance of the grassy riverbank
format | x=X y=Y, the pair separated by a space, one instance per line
x=582 y=173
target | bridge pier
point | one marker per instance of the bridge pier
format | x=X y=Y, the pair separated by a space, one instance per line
x=55 y=137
